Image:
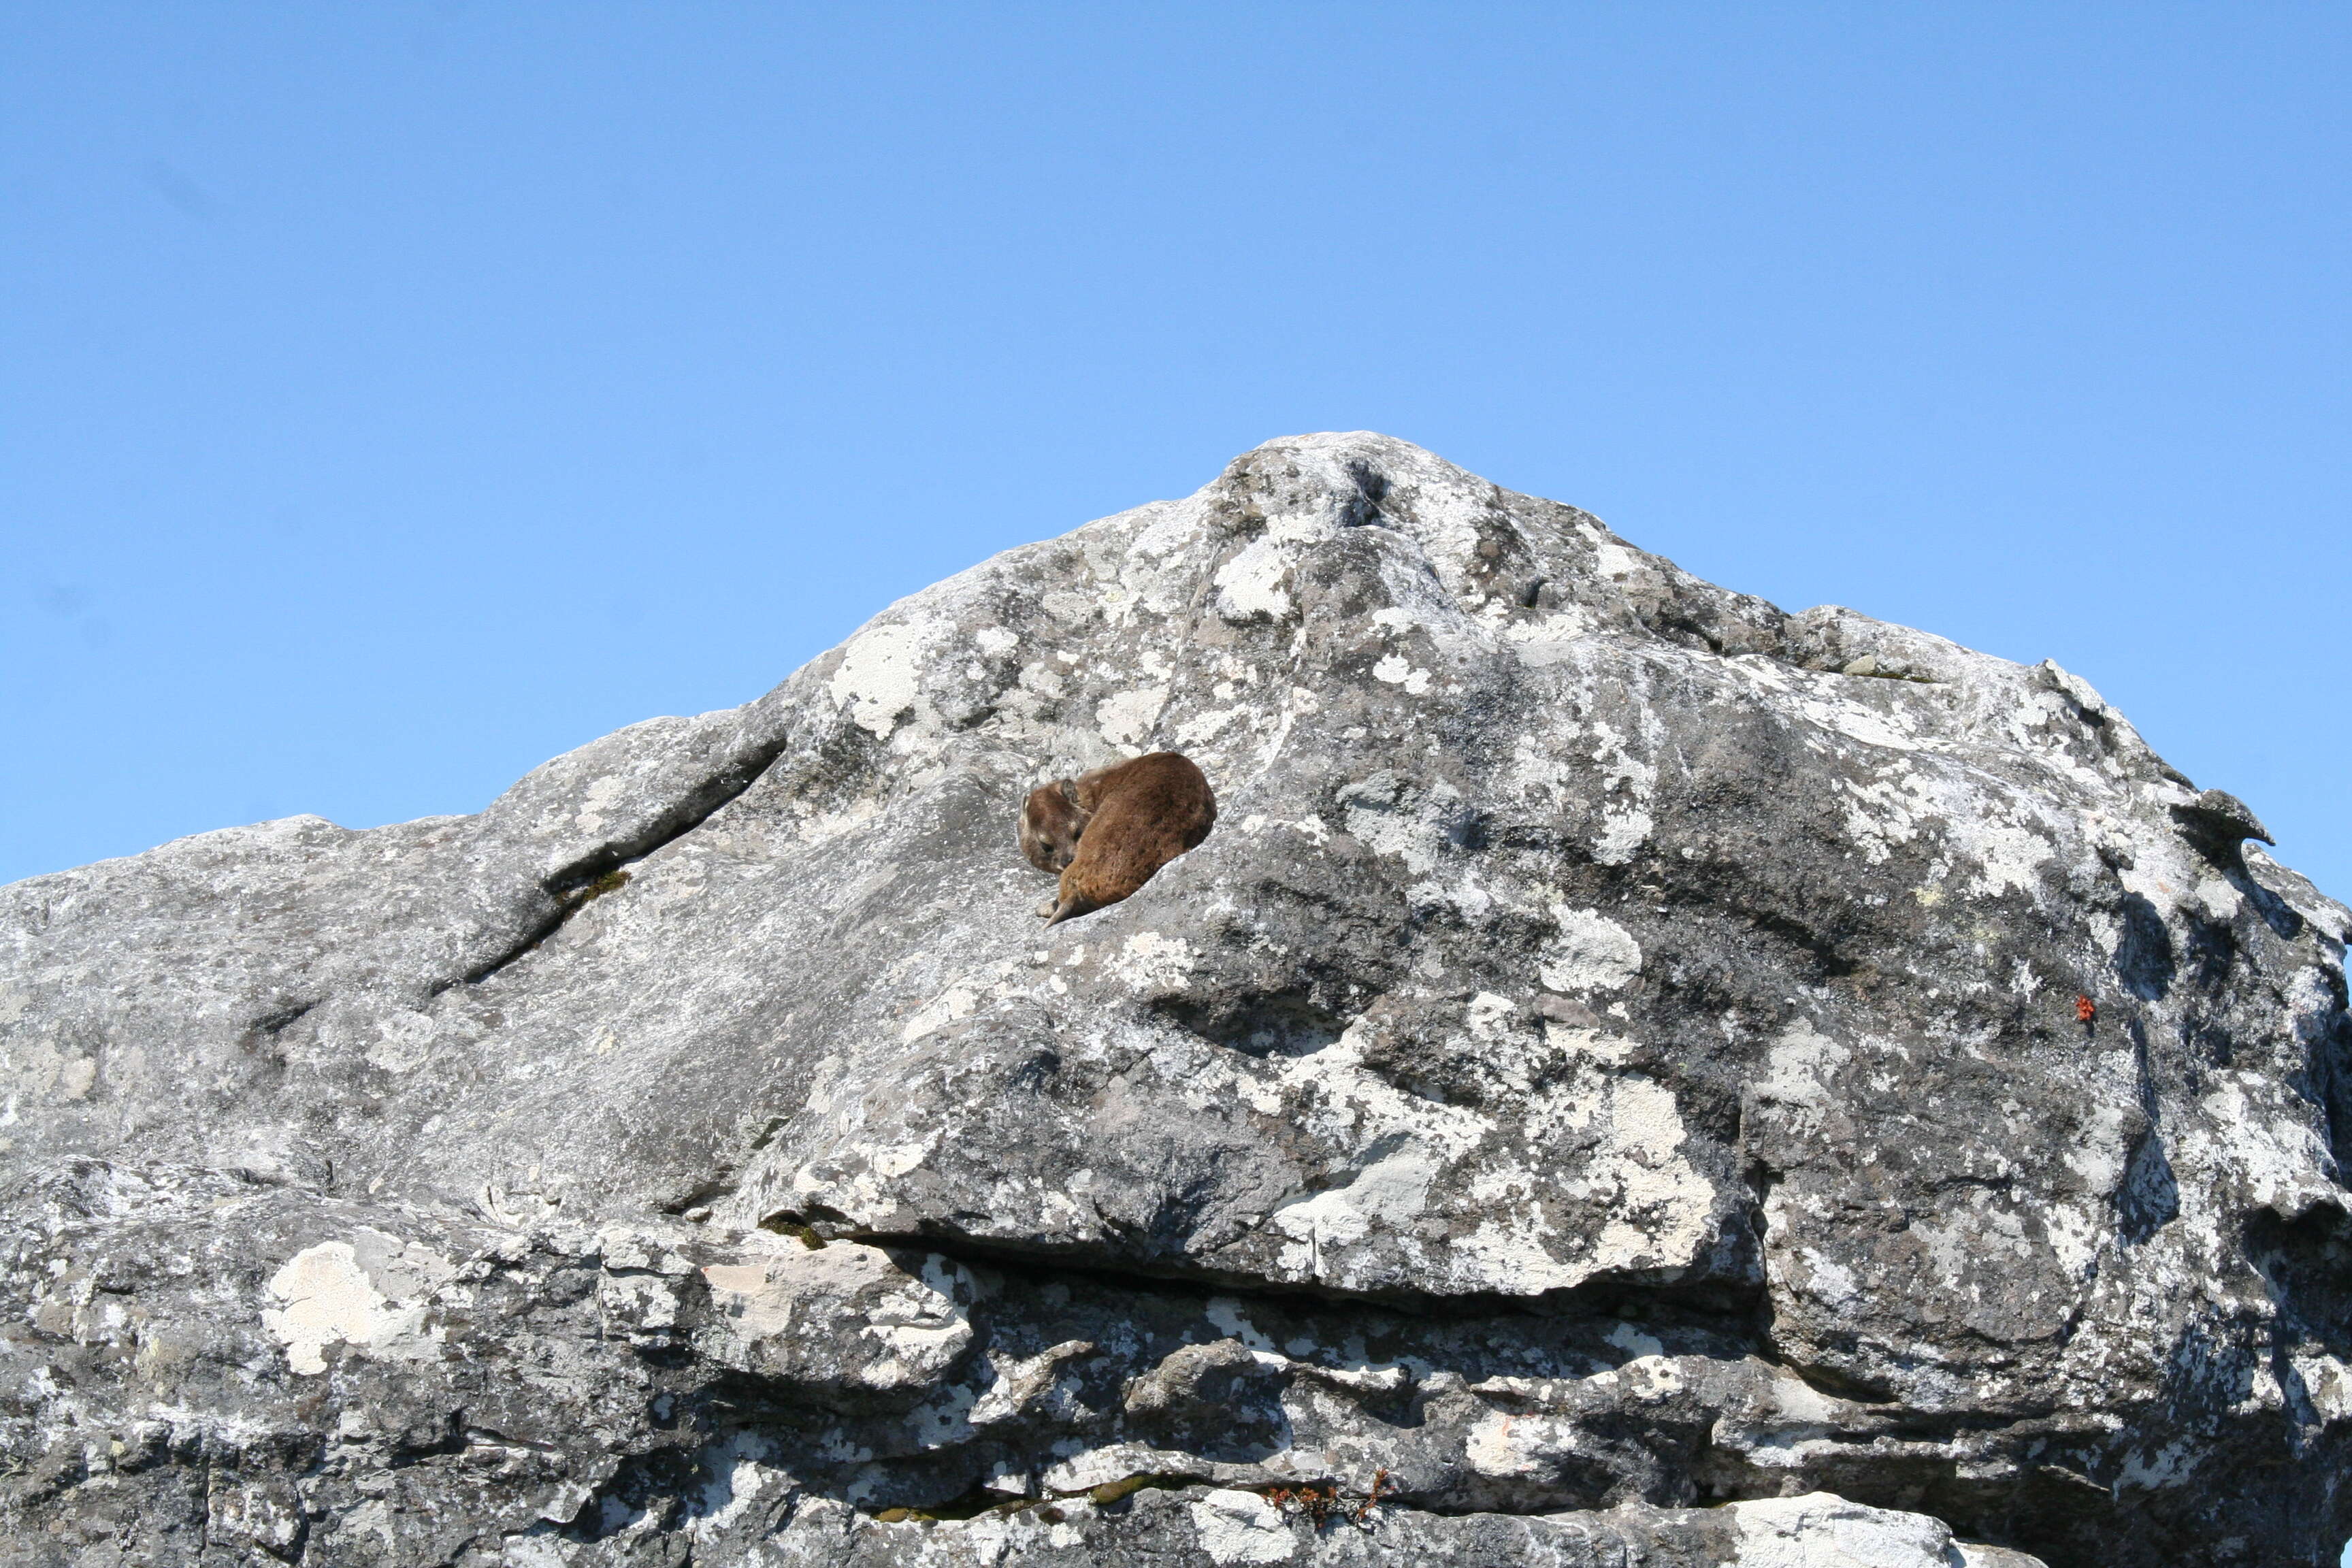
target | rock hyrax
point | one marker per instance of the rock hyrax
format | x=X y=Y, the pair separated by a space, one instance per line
x=1106 y=832
x=1050 y=825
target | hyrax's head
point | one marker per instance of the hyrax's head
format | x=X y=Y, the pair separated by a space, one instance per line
x=1050 y=825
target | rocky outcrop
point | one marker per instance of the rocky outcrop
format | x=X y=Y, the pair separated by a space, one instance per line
x=1635 y=1076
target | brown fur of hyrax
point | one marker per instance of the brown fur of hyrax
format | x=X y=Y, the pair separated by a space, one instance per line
x=1050 y=825
x=1138 y=815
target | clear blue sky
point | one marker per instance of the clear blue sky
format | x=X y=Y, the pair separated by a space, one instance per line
x=392 y=397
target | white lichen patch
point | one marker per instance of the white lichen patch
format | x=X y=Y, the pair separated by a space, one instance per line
x=598 y=799
x=1148 y=961
x=880 y=676
x=1653 y=1207
x=1890 y=729
x=403 y=1039
x=327 y=1299
x=1558 y=637
x=1028 y=1386
x=1204 y=728
x=1628 y=782
x=1613 y=561
x=844 y=1313
x=1310 y=828
x=2251 y=1135
x=1250 y=585
x=950 y=1006
x=1884 y=813
x=2011 y=857
x=1125 y=718
x=1622 y=831
x=37 y=1068
x=1661 y=1206
x=1637 y=1344
x=812 y=827
x=2217 y=900
x=1440 y=1191
x=1821 y=1529
x=1398 y=671
x=1042 y=679
x=1592 y=952
x=1392 y=816
x=1509 y=1446
x=1797 y=1072
x=1073 y=608
x=1237 y=1527
x=1391 y=1192
x=2150 y=1469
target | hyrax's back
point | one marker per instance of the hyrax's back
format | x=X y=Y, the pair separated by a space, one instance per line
x=1141 y=814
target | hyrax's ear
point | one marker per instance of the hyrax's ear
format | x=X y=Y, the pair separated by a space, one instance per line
x=1069 y=788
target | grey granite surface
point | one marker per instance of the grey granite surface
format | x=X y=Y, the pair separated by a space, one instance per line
x=1611 y=1090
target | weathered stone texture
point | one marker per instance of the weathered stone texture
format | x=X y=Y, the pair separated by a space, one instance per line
x=1613 y=1077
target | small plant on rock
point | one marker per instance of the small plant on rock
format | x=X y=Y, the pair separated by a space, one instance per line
x=1321 y=1503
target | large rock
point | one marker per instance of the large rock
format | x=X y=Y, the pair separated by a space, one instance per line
x=1613 y=1086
